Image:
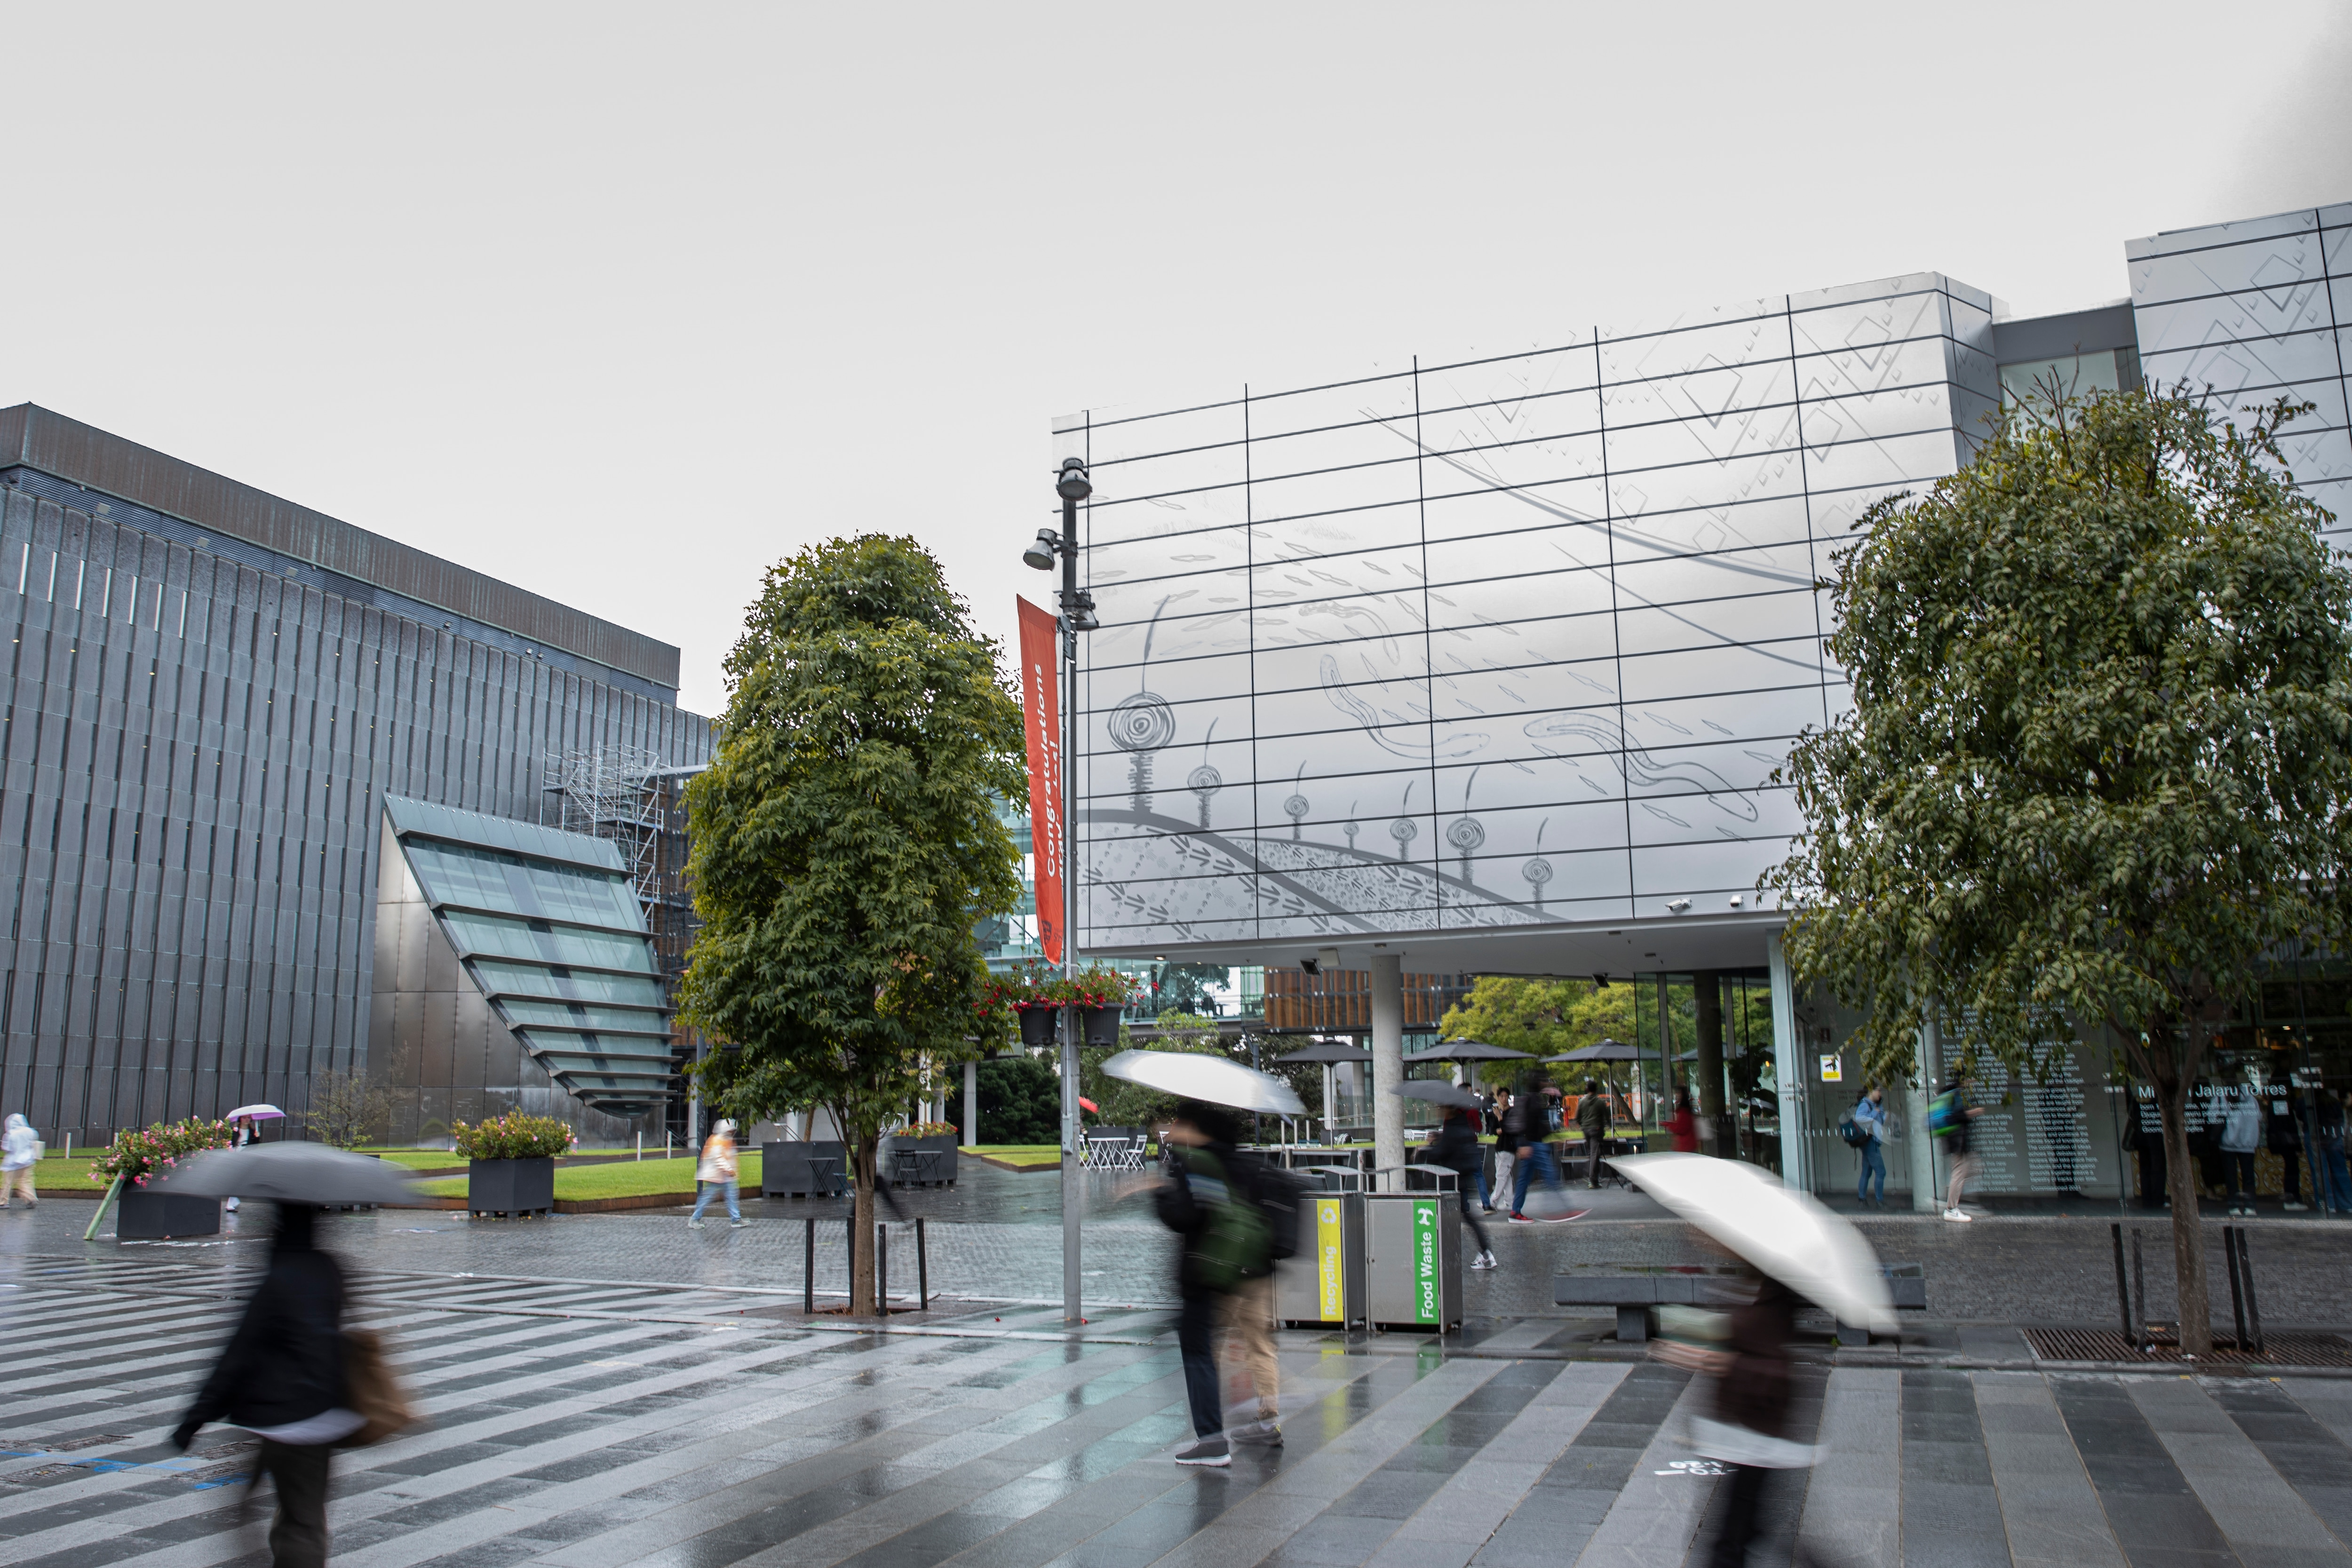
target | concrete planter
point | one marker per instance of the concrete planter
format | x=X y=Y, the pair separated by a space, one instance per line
x=510 y=1186
x=785 y=1171
x=143 y=1215
x=940 y=1171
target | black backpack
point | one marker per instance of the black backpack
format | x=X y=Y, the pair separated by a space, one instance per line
x=1282 y=1197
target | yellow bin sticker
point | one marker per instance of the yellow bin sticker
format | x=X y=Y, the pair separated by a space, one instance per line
x=1331 y=1263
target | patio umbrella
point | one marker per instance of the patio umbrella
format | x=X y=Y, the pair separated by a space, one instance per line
x=1785 y=1233
x=1467 y=1051
x=1212 y=1078
x=259 y=1112
x=1606 y=1051
x=1437 y=1091
x=288 y=1173
x=1326 y=1052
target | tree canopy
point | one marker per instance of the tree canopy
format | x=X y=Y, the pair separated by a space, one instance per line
x=1541 y=1018
x=2099 y=751
x=846 y=839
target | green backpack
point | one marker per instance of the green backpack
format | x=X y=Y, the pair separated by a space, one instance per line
x=1237 y=1243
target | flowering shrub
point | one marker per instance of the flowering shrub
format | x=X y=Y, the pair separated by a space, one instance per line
x=1034 y=985
x=134 y=1156
x=926 y=1130
x=514 y=1136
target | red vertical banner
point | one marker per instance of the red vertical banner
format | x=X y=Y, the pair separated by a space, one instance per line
x=1039 y=632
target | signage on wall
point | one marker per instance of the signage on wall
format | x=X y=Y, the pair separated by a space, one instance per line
x=1832 y=1068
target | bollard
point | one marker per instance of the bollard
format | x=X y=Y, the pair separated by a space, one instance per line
x=2139 y=1291
x=922 y=1268
x=2246 y=1275
x=641 y=1144
x=882 y=1270
x=2122 y=1289
x=808 y=1271
x=2237 y=1296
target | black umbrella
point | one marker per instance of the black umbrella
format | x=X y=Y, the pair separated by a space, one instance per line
x=1606 y=1051
x=288 y=1173
x=1467 y=1051
x=1326 y=1052
x=1437 y=1091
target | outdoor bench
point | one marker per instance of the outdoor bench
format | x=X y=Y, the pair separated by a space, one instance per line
x=1636 y=1290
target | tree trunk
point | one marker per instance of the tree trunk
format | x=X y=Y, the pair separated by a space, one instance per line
x=2187 y=1230
x=861 y=1225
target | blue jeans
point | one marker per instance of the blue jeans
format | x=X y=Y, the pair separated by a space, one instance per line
x=1485 y=1201
x=1874 y=1164
x=710 y=1191
x=1523 y=1172
x=2338 y=1194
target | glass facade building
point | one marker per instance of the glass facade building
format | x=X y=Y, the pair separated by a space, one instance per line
x=1489 y=661
x=211 y=694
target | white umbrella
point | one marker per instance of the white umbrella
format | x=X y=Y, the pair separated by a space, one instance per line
x=259 y=1112
x=289 y=1174
x=1215 y=1079
x=1786 y=1233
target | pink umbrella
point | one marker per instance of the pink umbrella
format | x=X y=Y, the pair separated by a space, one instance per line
x=259 y=1112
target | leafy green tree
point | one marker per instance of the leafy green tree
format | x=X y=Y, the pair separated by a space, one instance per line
x=2099 y=759
x=1541 y=1018
x=1019 y=1101
x=1124 y=1104
x=846 y=840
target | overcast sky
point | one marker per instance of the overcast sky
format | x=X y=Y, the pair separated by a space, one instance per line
x=622 y=303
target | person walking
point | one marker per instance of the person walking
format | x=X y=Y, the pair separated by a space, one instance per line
x=282 y=1378
x=20 y=1162
x=1523 y=1131
x=2241 y=1135
x=2329 y=1172
x=1224 y=1278
x=1455 y=1146
x=715 y=1171
x=1949 y=1121
x=1682 y=1125
x=1870 y=1115
x=1749 y=1427
x=242 y=1133
x=1593 y=1120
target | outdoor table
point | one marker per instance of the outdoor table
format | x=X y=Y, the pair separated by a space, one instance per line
x=1116 y=1153
x=916 y=1167
x=824 y=1173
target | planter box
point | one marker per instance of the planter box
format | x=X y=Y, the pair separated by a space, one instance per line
x=143 y=1215
x=510 y=1186
x=939 y=1170
x=1037 y=1024
x=785 y=1171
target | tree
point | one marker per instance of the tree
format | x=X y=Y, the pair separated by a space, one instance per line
x=1541 y=1018
x=346 y=1110
x=2099 y=757
x=1020 y=1103
x=846 y=840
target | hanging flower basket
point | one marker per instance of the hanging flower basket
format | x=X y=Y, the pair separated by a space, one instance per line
x=1101 y=1024
x=1037 y=1024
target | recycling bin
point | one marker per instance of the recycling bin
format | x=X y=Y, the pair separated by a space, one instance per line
x=1322 y=1284
x=1413 y=1255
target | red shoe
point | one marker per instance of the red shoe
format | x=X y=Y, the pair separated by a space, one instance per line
x=1518 y=1218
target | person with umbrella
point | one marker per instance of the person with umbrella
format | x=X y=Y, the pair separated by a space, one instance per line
x=245 y=1129
x=284 y=1374
x=1454 y=1145
x=1213 y=1197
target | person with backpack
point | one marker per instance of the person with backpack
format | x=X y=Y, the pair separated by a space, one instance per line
x=1454 y=1145
x=1866 y=1128
x=1224 y=1275
x=1947 y=1121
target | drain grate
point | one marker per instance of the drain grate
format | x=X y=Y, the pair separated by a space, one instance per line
x=2107 y=1344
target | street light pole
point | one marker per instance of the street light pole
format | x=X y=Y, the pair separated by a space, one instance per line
x=1077 y=615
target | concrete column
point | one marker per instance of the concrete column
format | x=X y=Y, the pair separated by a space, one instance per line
x=1388 y=1063
x=970 y=1102
x=1919 y=1145
x=1707 y=990
x=1789 y=1068
x=1330 y=1097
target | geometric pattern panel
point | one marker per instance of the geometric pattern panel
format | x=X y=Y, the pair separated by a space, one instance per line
x=1509 y=641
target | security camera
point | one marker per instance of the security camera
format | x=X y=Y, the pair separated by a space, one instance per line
x=1309 y=965
x=1735 y=900
x=1677 y=906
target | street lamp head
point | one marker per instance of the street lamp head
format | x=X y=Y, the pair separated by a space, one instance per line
x=1074 y=485
x=1041 y=554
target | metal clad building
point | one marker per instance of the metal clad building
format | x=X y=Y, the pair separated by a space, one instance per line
x=210 y=692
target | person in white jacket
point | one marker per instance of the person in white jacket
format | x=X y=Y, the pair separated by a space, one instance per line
x=2242 y=1135
x=20 y=1156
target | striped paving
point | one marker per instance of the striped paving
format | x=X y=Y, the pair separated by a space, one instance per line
x=583 y=1424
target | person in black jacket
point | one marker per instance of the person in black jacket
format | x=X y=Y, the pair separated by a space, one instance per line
x=281 y=1378
x=1455 y=1146
x=1224 y=1275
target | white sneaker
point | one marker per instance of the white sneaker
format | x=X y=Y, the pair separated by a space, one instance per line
x=737 y=1224
x=2295 y=1209
x=1484 y=1260
x=1958 y=1214
x=694 y=1224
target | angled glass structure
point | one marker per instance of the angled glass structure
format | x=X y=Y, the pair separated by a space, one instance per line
x=514 y=968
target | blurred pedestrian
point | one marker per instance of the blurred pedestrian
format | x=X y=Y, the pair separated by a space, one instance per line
x=2329 y=1171
x=2284 y=1135
x=1949 y=1121
x=1224 y=1278
x=20 y=1162
x=1455 y=1146
x=1748 y=1428
x=282 y=1378
x=1870 y=1115
x=1523 y=1130
x=1682 y=1125
x=1593 y=1120
x=242 y=1131
x=717 y=1171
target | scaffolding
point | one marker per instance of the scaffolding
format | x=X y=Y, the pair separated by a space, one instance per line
x=616 y=794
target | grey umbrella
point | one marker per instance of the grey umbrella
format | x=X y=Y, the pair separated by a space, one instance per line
x=1606 y=1051
x=1467 y=1051
x=288 y=1173
x=1326 y=1052
x=1437 y=1091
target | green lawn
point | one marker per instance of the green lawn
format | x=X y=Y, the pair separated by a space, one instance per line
x=622 y=1179
x=56 y=1171
x=1027 y=1156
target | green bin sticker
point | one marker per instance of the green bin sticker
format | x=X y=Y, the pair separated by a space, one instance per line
x=1425 y=1260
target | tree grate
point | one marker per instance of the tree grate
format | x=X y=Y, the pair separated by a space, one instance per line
x=2107 y=1346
